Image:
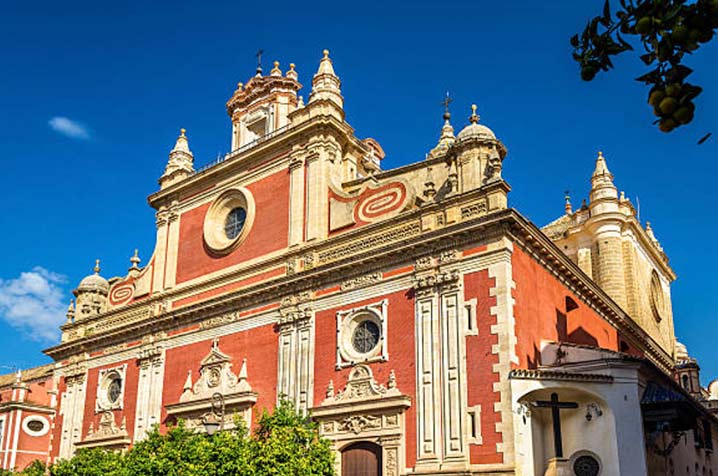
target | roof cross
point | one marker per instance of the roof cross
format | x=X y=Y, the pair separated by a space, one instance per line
x=259 y=54
x=447 y=100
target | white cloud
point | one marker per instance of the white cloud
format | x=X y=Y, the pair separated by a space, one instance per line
x=34 y=303
x=69 y=128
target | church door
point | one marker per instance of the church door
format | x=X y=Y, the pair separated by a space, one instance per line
x=362 y=459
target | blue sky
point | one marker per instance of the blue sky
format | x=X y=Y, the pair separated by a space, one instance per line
x=92 y=95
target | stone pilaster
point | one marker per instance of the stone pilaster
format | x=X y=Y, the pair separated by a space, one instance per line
x=296 y=352
x=149 y=390
x=72 y=407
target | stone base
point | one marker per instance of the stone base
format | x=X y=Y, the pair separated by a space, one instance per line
x=558 y=467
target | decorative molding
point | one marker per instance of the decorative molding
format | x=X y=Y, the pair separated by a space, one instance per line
x=107 y=434
x=104 y=380
x=219 y=320
x=348 y=320
x=361 y=281
x=366 y=411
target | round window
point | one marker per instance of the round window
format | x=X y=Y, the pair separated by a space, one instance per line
x=586 y=465
x=366 y=336
x=234 y=222
x=114 y=389
x=228 y=220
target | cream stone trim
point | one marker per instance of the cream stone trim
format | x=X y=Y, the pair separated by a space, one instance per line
x=295 y=362
x=476 y=438
x=148 y=409
x=72 y=406
x=469 y=314
x=347 y=320
x=505 y=349
x=366 y=411
x=105 y=377
x=213 y=229
x=31 y=432
x=107 y=435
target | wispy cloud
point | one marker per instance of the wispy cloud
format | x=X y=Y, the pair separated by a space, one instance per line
x=69 y=128
x=34 y=303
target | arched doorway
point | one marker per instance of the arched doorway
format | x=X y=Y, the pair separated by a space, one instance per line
x=362 y=459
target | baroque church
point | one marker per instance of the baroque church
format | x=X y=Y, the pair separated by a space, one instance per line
x=428 y=327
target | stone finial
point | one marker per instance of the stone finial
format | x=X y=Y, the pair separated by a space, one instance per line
x=188 y=383
x=242 y=383
x=474 y=118
x=18 y=376
x=135 y=261
x=325 y=83
x=300 y=102
x=429 y=185
x=276 y=71
x=180 y=162
x=97 y=268
x=325 y=65
x=567 y=206
x=392 y=380
x=292 y=73
x=70 y=314
x=240 y=86
x=602 y=187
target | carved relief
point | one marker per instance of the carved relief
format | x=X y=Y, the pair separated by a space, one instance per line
x=216 y=376
x=361 y=281
x=107 y=434
x=358 y=423
x=219 y=320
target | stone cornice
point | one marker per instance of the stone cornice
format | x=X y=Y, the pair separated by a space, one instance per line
x=393 y=253
x=545 y=250
x=544 y=374
x=27 y=406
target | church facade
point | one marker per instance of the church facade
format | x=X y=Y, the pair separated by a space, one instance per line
x=427 y=326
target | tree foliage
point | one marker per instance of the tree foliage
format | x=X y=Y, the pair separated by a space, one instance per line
x=667 y=30
x=284 y=443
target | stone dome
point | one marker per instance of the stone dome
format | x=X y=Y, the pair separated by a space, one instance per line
x=475 y=130
x=478 y=131
x=681 y=352
x=94 y=282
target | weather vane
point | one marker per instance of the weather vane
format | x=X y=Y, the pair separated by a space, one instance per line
x=259 y=60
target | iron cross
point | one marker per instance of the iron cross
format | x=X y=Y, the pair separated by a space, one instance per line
x=259 y=60
x=556 y=408
x=447 y=100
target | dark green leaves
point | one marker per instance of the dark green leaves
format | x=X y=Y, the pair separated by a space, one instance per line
x=667 y=30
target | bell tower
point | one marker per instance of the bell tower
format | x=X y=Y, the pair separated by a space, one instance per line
x=262 y=106
x=607 y=241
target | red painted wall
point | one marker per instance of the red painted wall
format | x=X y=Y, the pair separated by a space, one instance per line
x=541 y=314
x=257 y=345
x=269 y=231
x=400 y=334
x=479 y=368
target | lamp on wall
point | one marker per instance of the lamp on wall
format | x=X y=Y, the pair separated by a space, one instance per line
x=214 y=419
x=592 y=409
